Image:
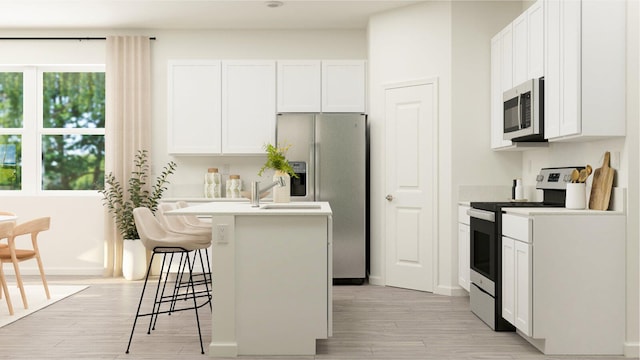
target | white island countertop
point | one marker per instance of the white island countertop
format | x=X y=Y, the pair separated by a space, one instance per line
x=267 y=208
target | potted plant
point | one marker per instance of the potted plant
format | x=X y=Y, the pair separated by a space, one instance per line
x=121 y=203
x=277 y=160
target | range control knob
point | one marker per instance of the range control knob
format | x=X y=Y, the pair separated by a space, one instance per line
x=539 y=177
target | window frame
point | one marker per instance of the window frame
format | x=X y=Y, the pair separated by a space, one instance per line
x=33 y=130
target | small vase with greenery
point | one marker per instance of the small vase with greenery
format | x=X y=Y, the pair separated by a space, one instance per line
x=277 y=160
x=121 y=204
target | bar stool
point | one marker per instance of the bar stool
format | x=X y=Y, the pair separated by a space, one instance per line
x=167 y=244
x=178 y=224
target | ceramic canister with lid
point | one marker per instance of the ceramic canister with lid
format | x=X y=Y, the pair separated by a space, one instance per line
x=212 y=184
x=234 y=186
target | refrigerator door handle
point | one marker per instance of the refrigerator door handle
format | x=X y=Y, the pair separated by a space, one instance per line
x=316 y=169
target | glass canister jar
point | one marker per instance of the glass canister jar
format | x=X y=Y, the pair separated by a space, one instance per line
x=212 y=184
x=234 y=186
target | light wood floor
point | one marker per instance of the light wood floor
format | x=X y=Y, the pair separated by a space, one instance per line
x=370 y=322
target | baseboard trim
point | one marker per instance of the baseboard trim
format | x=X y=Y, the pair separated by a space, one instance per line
x=632 y=349
x=450 y=291
x=376 y=280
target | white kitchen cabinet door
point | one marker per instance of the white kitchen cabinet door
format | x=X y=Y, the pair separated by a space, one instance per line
x=535 y=40
x=520 y=49
x=464 y=268
x=552 y=100
x=506 y=60
x=508 y=280
x=194 y=107
x=523 y=298
x=497 y=124
x=571 y=69
x=344 y=86
x=248 y=106
x=583 y=102
x=299 y=86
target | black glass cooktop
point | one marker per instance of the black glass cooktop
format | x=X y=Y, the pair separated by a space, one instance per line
x=495 y=206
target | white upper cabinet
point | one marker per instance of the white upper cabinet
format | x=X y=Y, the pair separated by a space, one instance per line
x=517 y=55
x=194 y=107
x=585 y=69
x=528 y=44
x=344 y=86
x=248 y=106
x=501 y=80
x=535 y=40
x=520 y=49
x=299 y=86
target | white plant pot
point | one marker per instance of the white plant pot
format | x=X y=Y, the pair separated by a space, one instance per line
x=282 y=194
x=134 y=260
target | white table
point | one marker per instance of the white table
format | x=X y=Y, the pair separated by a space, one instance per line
x=272 y=280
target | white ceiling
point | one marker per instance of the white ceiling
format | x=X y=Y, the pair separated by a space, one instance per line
x=189 y=14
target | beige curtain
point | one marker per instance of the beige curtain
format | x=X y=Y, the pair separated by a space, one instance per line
x=128 y=122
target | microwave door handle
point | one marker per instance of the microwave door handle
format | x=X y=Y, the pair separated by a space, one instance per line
x=519 y=112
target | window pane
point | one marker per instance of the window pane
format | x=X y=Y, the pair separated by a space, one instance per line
x=11 y=99
x=73 y=100
x=10 y=162
x=73 y=162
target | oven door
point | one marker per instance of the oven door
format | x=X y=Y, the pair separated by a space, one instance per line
x=484 y=244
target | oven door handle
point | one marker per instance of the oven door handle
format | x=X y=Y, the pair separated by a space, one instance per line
x=482 y=215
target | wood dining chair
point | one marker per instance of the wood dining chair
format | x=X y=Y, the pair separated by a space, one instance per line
x=6 y=213
x=16 y=255
x=5 y=232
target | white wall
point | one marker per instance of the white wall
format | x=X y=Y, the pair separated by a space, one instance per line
x=451 y=41
x=406 y=44
x=258 y=44
x=75 y=243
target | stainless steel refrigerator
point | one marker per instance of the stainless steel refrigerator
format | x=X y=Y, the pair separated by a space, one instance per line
x=329 y=153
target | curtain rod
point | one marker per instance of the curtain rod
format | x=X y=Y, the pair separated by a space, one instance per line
x=60 y=38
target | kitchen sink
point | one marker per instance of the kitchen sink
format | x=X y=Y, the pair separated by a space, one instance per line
x=289 y=206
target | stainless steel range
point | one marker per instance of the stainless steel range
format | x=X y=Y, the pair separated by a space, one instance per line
x=486 y=244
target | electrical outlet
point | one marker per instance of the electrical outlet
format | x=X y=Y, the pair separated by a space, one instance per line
x=221 y=235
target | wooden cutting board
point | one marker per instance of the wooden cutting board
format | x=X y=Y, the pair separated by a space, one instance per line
x=601 y=186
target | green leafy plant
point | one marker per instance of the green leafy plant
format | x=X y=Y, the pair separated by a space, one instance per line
x=277 y=160
x=121 y=204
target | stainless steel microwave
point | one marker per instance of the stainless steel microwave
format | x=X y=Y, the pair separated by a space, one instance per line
x=523 y=113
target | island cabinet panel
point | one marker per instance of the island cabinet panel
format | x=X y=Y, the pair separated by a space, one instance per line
x=272 y=277
x=282 y=279
x=194 y=107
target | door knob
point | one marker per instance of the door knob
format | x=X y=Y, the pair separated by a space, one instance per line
x=389 y=197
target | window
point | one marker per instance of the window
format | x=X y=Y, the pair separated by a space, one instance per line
x=52 y=128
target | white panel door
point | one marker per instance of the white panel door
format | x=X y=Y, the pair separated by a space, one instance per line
x=411 y=218
x=248 y=106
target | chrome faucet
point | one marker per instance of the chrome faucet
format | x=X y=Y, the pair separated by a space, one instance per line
x=256 y=191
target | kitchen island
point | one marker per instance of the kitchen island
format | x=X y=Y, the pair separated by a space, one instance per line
x=271 y=277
